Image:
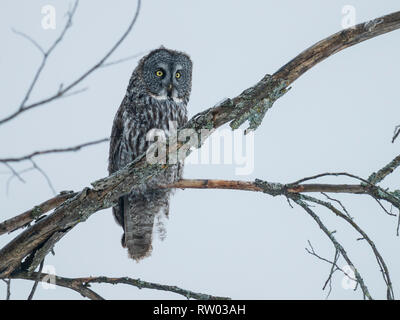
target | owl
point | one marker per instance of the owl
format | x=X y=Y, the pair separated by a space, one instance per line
x=156 y=98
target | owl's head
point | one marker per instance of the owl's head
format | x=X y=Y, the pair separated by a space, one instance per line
x=167 y=74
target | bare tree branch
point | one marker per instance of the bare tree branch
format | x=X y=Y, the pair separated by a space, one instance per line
x=335 y=243
x=15 y=173
x=107 y=191
x=118 y=61
x=377 y=177
x=396 y=133
x=82 y=285
x=25 y=218
x=24 y=35
x=56 y=150
x=337 y=42
x=46 y=54
x=60 y=281
x=30 y=297
x=62 y=91
x=32 y=214
x=334 y=267
x=340 y=204
x=8 y=283
x=44 y=174
x=381 y=262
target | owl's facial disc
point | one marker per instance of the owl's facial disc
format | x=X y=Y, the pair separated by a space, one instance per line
x=168 y=81
x=168 y=75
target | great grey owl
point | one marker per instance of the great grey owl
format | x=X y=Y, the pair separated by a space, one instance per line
x=158 y=93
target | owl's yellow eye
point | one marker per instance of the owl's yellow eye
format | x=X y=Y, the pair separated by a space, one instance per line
x=159 y=73
x=177 y=75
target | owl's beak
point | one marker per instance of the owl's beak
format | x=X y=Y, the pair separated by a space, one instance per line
x=169 y=90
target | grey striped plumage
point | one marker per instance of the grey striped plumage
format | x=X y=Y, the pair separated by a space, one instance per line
x=151 y=102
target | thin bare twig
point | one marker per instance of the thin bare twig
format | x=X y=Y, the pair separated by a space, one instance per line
x=61 y=92
x=44 y=174
x=15 y=176
x=15 y=173
x=398 y=223
x=81 y=285
x=56 y=150
x=335 y=243
x=30 y=297
x=320 y=175
x=340 y=204
x=334 y=267
x=8 y=284
x=118 y=61
x=46 y=54
x=396 y=133
x=30 y=39
x=381 y=262
x=383 y=208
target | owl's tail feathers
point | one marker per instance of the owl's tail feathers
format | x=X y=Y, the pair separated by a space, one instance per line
x=140 y=215
x=138 y=237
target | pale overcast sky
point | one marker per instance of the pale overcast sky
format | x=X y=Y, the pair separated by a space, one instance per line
x=338 y=117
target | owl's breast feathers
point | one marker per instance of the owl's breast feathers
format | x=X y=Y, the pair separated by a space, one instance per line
x=134 y=120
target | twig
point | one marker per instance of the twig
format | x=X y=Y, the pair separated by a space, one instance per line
x=36 y=281
x=111 y=63
x=81 y=285
x=73 y=84
x=396 y=133
x=45 y=54
x=340 y=204
x=336 y=244
x=325 y=174
x=334 y=267
x=383 y=208
x=19 y=175
x=398 y=224
x=15 y=173
x=24 y=35
x=381 y=262
x=8 y=283
x=44 y=174
x=56 y=150
x=35 y=166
